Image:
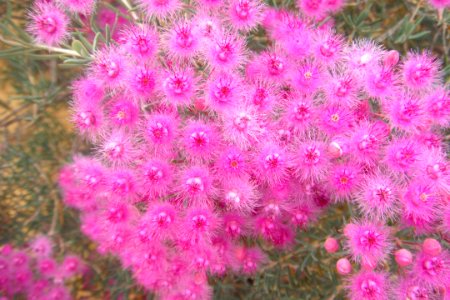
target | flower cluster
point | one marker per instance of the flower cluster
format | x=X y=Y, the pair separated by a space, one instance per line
x=203 y=144
x=33 y=272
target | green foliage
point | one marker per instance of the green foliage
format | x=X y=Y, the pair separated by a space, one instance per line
x=37 y=139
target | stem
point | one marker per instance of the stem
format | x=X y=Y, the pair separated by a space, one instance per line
x=41 y=46
x=127 y=4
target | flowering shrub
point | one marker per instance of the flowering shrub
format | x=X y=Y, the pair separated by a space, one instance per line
x=33 y=272
x=208 y=150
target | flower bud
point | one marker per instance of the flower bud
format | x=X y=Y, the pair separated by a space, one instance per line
x=403 y=257
x=432 y=247
x=199 y=104
x=335 y=149
x=391 y=59
x=348 y=229
x=331 y=245
x=343 y=266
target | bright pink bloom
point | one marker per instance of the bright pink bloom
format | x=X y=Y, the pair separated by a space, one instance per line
x=195 y=185
x=200 y=140
x=245 y=14
x=179 y=85
x=378 y=197
x=85 y=7
x=159 y=8
x=110 y=67
x=369 y=243
x=223 y=91
x=155 y=177
x=367 y=285
x=182 y=40
x=420 y=206
x=123 y=112
x=141 y=41
x=225 y=51
x=420 y=70
x=48 y=23
x=433 y=271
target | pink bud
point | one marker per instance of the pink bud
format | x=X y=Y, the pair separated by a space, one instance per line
x=335 y=149
x=403 y=257
x=349 y=228
x=199 y=104
x=331 y=245
x=391 y=59
x=343 y=266
x=432 y=247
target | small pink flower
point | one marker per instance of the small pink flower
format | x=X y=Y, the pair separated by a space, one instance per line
x=378 y=197
x=179 y=85
x=328 y=46
x=42 y=246
x=344 y=179
x=420 y=70
x=117 y=148
x=200 y=140
x=420 y=206
x=433 y=271
x=142 y=82
x=195 y=185
x=140 y=41
x=48 y=23
x=367 y=285
x=369 y=243
x=272 y=163
x=225 y=51
x=123 y=112
x=223 y=91
x=245 y=14
x=313 y=8
x=155 y=177
x=182 y=40
x=110 y=67
x=158 y=223
x=159 y=8
x=85 y=7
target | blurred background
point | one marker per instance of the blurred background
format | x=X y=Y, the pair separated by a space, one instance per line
x=37 y=139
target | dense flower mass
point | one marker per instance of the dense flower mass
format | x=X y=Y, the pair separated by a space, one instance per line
x=203 y=144
x=33 y=272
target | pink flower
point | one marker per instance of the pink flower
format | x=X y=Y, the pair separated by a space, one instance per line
x=42 y=246
x=179 y=85
x=433 y=271
x=182 y=40
x=344 y=179
x=368 y=285
x=271 y=163
x=225 y=51
x=140 y=41
x=155 y=177
x=312 y=8
x=85 y=7
x=311 y=161
x=232 y=162
x=240 y=195
x=369 y=243
x=223 y=91
x=200 y=140
x=117 y=148
x=160 y=130
x=410 y=289
x=159 y=8
x=420 y=205
x=48 y=23
x=110 y=67
x=438 y=107
x=123 y=112
x=142 y=82
x=250 y=259
x=195 y=185
x=328 y=46
x=159 y=223
x=245 y=14
x=378 y=197
x=420 y=70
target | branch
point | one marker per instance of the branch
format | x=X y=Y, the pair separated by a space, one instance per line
x=41 y=46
